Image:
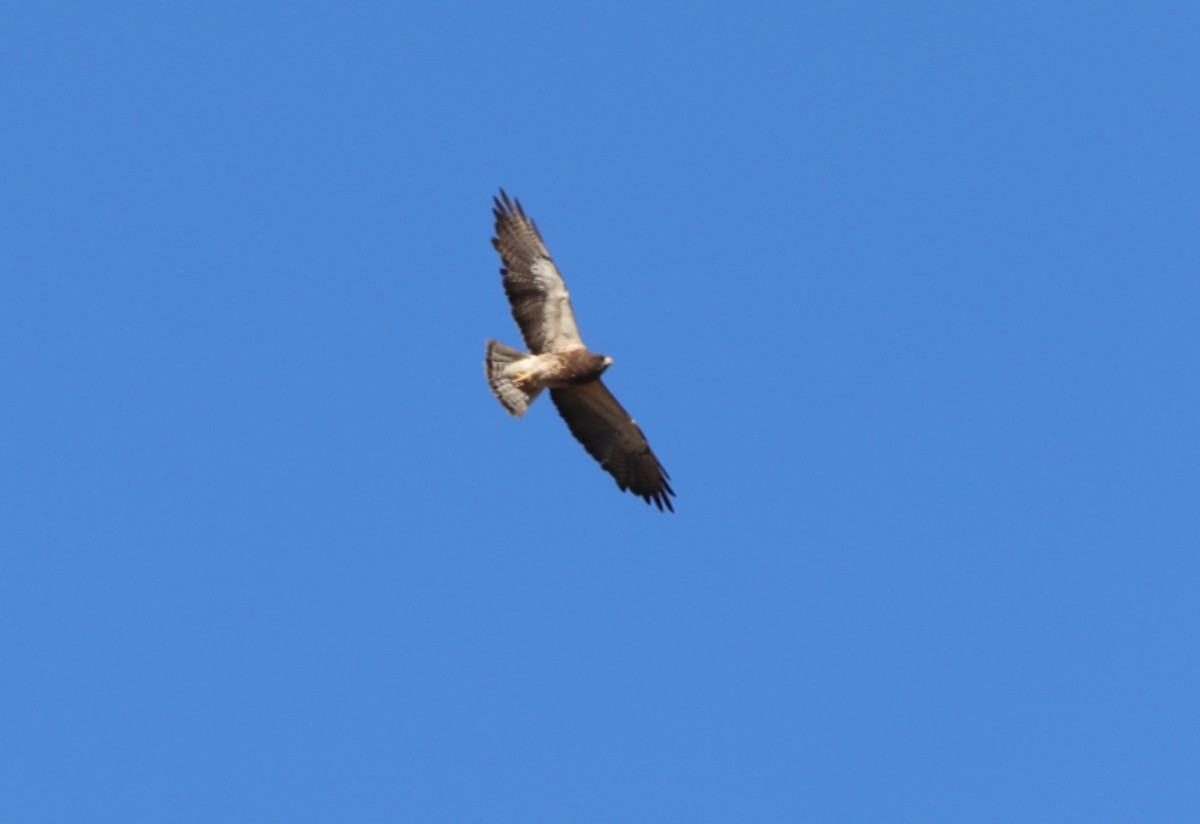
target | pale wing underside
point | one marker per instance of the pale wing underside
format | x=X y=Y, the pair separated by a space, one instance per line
x=536 y=291
x=611 y=437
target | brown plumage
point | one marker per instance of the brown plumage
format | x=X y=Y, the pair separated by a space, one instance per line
x=559 y=361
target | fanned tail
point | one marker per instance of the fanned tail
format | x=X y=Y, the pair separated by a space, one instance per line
x=511 y=396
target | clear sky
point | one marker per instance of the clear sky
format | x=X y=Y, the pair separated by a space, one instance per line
x=905 y=297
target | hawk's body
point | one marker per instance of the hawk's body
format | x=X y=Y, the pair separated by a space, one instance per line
x=560 y=362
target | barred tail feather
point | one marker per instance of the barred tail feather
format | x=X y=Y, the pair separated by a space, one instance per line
x=511 y=397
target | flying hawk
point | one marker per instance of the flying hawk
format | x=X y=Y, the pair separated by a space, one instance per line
x=561 y=363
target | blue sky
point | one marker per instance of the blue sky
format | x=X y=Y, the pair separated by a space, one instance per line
x=904 y=296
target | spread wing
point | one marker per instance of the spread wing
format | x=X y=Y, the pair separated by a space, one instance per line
x=536 y=291
x=611 y=437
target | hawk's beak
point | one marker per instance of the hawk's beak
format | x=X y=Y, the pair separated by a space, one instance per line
x=607 y=360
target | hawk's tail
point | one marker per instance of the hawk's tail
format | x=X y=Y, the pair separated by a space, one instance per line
x=511 y=397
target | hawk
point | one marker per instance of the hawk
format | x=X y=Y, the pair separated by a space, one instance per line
x=558 y=360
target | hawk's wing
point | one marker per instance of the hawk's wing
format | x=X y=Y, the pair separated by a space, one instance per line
x=608 y=433
x=536 y=292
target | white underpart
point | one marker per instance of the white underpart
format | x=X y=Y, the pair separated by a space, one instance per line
x=537 y=367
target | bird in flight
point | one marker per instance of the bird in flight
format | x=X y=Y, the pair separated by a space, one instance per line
x=559 y=361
